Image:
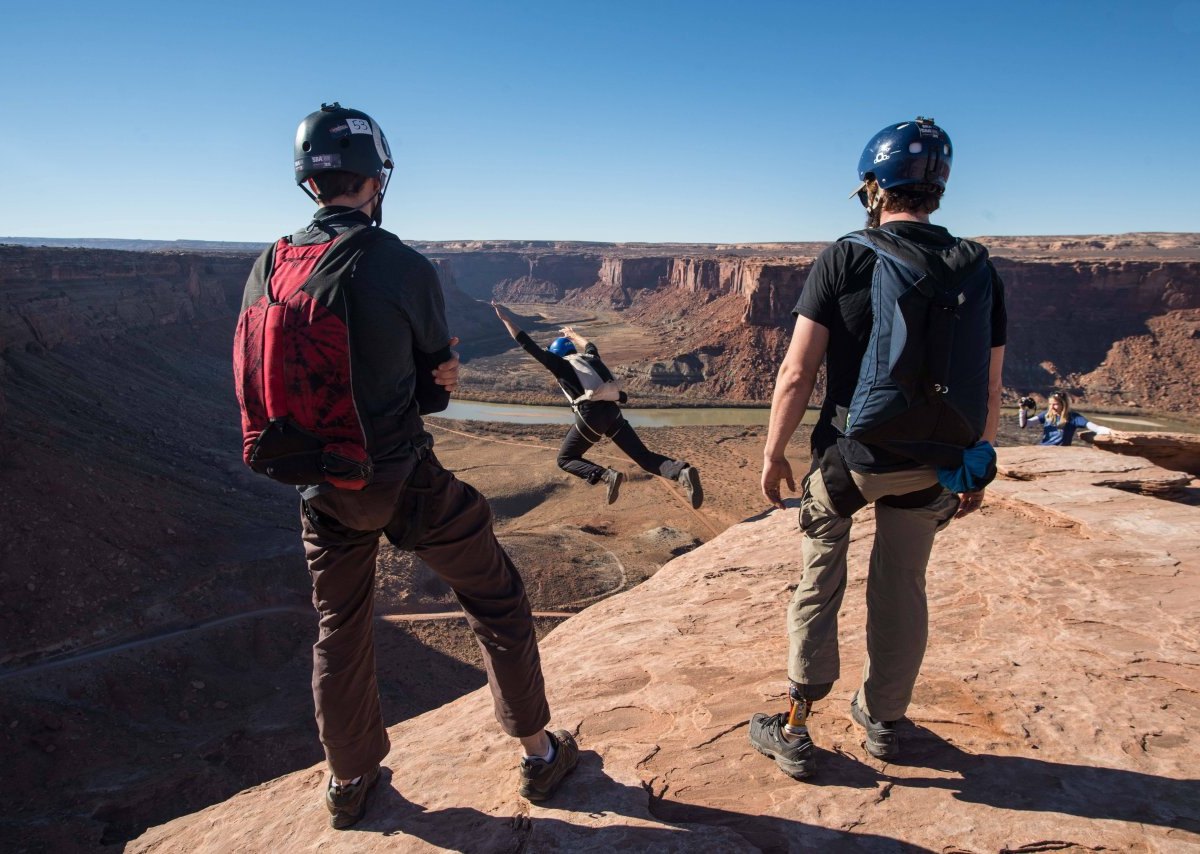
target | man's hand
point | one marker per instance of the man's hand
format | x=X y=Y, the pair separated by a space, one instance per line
x=773 y=472
x=578 y=340
x=446 y=374
x=969 y=502
x=507 y=318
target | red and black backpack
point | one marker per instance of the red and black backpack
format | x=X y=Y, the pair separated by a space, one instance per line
x=292 y=365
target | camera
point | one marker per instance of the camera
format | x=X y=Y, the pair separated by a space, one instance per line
x=1028 y=403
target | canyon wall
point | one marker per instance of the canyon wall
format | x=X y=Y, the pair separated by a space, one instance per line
x=54 y=296
x=1118 y=325
x=1116 y=331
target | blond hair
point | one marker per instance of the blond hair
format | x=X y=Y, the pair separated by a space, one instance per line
x=1064 y=414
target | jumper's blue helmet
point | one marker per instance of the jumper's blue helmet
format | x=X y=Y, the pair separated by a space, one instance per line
x=561 y=347
x=917 y=152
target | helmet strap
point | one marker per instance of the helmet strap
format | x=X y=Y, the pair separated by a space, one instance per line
x=384 y=179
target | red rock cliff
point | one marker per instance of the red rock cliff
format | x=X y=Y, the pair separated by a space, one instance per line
x=1117 y=321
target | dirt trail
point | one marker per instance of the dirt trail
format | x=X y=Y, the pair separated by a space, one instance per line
x=169 y=634
x=675 y=494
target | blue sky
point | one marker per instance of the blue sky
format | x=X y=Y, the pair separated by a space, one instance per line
x=616 y=121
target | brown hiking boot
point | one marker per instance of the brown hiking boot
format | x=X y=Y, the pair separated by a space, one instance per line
x=614 y=479
x=348 y=804
x=539 y=779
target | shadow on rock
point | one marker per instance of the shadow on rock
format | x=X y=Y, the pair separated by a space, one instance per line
x=1025 y=783
x=592 y=793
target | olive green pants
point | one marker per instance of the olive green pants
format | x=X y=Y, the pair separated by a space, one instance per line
x=897 y=613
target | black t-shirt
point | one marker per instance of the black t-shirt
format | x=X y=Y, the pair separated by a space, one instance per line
x=397 y=327
x=837 y=295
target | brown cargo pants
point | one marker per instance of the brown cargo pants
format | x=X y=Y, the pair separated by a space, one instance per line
x=897 y=612
x=449 y=524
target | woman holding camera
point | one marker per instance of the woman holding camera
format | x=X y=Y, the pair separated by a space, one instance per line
x=1059 y=422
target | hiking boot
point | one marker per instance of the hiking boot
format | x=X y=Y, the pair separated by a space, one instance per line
x=540 y=779
x=796 y=758
x=614 y=479
x=882 y=741
x=348 y=804
x=689 y=479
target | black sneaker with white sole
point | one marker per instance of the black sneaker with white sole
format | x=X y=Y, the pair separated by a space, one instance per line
x=795 y=757
x=882 y=740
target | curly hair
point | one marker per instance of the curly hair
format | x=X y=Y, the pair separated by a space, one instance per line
x=913 y=198
x=908 y=198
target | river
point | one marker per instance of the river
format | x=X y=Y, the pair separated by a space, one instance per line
x=514 y=413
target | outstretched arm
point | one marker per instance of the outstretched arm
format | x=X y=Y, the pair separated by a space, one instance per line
x=1024 y=404
x=793 y=388
x=506 y=317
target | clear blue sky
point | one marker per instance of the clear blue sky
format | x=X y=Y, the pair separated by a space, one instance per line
x=631 y=121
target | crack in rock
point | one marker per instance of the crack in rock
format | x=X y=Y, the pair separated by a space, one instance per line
x=723 y=732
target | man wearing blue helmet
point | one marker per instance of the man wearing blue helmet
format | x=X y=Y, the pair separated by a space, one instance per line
x=912 y=402
x=594 y=396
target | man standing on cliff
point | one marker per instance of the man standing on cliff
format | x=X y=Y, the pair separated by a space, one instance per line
x=903 y=172
x=341 y=345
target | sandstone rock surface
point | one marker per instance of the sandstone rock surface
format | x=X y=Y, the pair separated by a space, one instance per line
x=1178 y=451
x=1055 y=710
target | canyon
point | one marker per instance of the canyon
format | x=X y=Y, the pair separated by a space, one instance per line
x=1113 y=319
x=154 y=616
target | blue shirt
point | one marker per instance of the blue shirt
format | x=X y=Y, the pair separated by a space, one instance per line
x=1061 y=433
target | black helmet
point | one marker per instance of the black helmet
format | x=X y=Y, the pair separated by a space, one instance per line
x=917 y=152
x=335 y=137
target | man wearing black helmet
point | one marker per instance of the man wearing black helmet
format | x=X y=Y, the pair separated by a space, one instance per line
x=365 y=352
x=911 y=408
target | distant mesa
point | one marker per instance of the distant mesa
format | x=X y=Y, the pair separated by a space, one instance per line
x=1112 y=318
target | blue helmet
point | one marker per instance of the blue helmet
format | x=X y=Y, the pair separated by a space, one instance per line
x=561 y=347
x=917 y=152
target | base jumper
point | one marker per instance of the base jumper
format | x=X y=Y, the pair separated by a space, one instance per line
x=595 y=397
x=911 y=409
x=341 y=345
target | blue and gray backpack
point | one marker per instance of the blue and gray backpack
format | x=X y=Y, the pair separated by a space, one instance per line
x=922 y=390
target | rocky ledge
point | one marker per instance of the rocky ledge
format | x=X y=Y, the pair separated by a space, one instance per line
x=1054 y=712
x=1178 y=451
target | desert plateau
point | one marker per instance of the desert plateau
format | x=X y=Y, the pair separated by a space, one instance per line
x=156 y=623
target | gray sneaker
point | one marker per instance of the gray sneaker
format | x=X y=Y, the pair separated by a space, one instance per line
x=540 y=779
x=614 y=479
x=882 y=741
x=796 y=758
x=348 y=804
x=689 y=479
